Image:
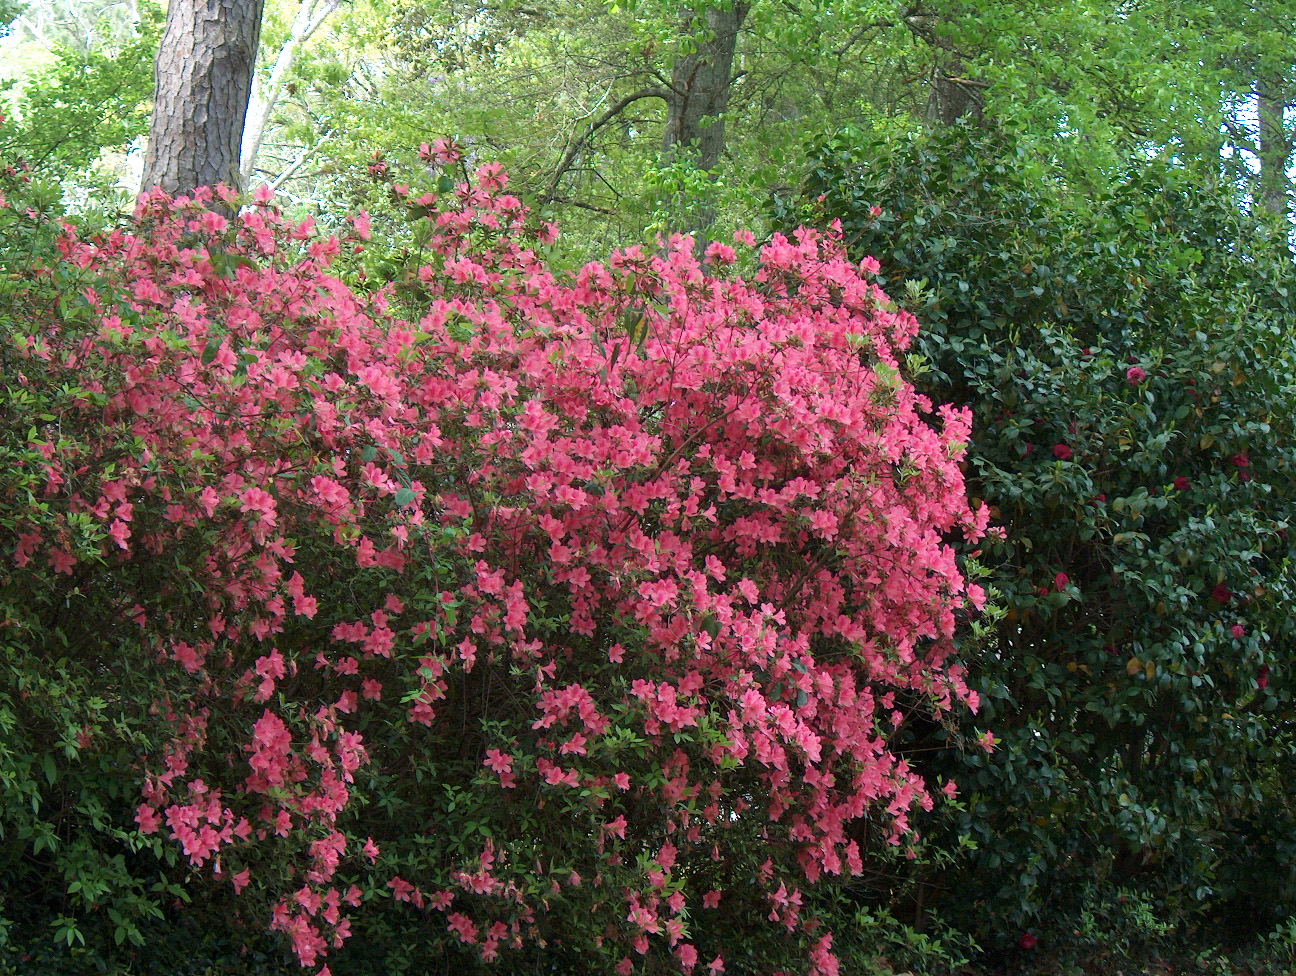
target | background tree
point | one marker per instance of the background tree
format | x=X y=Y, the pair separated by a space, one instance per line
x=698 y=99
x=83 y=94
x=310 y=17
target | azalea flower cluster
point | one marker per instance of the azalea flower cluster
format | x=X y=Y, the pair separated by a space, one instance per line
x=673 y=540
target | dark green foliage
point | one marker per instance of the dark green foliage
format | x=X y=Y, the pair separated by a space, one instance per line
x=81 y=889
x=64 y=801
x=1145 y=749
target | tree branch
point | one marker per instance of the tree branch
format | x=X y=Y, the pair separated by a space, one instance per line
x=568 y=201
x=574 y=150
x=302 y=158
x=310 y=17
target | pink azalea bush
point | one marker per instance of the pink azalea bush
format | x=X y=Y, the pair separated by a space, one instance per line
x=573 y=612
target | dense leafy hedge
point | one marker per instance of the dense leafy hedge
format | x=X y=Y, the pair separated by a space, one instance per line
x=1129 y=362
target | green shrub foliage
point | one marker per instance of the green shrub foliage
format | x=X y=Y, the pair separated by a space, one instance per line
x=81 y=888
x=1128 y=359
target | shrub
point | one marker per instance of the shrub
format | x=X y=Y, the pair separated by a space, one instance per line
x=574 y=616
x=1128 y=361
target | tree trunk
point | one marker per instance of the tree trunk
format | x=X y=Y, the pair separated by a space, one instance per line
x=951 y=94
x=1275 y=146
x=698 y=98
x=204 y=80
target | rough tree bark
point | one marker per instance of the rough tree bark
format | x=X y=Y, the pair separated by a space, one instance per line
x=699 y=96
x=952 y=96
x=203 y=83
x=699 y=92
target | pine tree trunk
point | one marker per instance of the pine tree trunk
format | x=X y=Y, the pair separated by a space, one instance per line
x=204 y=81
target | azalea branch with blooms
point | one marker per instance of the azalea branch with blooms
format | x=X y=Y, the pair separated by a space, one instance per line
x=572 y=598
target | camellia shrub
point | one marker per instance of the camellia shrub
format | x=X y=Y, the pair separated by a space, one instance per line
x=1128 y=359
x=569 y=621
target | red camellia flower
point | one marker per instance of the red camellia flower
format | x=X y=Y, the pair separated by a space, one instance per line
x=1262 y=676
x=1135 y=375
x=1028 y=941
x=1221 y=593
x=1062 y=452
x=1241 y=460
x=1060 y=581
x=1238 y=631
x=1181 y=483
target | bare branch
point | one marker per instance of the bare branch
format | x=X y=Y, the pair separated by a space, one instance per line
x=310 y=17
x=574 y=150
x=568 y=201
x=302 y=158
